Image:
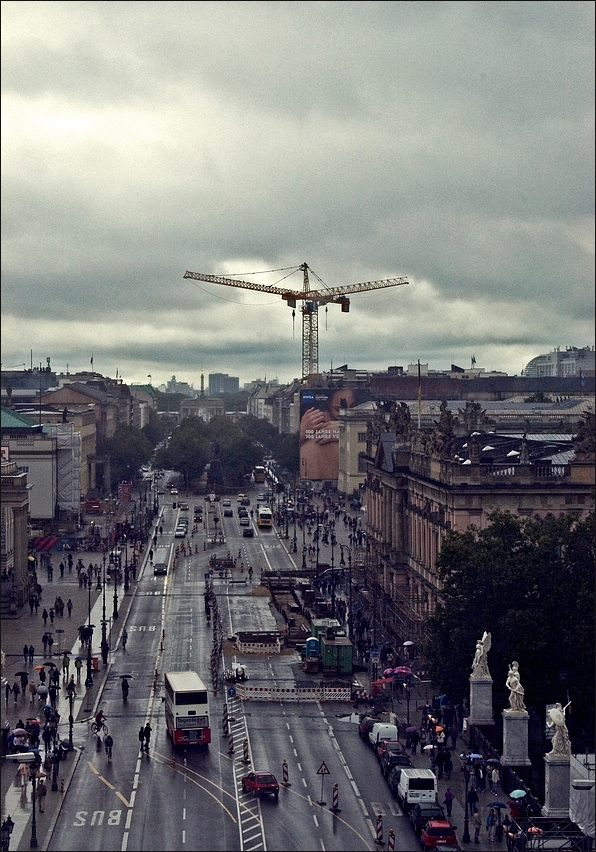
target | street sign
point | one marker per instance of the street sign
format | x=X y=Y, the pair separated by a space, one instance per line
x=374 y=651
x=322 y=770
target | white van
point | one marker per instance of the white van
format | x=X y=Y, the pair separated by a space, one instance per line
x=416 y=785
x=382 y=731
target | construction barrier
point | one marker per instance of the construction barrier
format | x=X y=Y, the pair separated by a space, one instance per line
x=231 y=743
x=391 y=841
x=284 y=770
x=272 y=693
x=379 y=840
x=225 y=727
x=335 y=807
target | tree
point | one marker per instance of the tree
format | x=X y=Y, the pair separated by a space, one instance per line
x=529 y=582
x=188 y=450
x=128 y=449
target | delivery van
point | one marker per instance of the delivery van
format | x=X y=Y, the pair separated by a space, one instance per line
x=382 y=731
x=416 y=785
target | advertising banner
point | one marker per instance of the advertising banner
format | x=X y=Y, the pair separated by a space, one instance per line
x=319 y=429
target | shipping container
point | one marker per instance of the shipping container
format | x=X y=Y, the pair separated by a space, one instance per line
x=336 y=654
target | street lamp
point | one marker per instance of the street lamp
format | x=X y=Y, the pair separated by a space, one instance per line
x=408 y=688
x=126 y=577
x=56 y=756
x=104 y=621
x=89 y=678
x=333 y=540
x=33 y=770
x=116 y=575
x=342 y=563
x=70 y=718
x=6 y=830
x=466 y=768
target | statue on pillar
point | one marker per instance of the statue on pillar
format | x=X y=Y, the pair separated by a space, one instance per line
x=561 y=745
x=516 y=690
x=480 y=663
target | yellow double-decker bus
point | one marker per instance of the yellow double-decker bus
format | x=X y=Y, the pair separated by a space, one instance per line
x=258 y=473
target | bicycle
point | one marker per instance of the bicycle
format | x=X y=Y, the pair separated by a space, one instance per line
x=99 y=729
x=108 y=744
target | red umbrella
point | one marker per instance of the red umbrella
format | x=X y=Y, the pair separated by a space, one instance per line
x=402 y=670
x=381 y=681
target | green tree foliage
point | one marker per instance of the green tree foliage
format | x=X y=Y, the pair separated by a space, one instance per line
x=530 y=583
x=188 y=450
x=286 y=450
x=128 y=449
x=158 y=427
x=235 y=452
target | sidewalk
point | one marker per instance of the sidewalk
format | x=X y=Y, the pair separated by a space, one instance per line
x=88 y=607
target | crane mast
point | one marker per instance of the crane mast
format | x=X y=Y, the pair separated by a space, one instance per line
x=311 y=300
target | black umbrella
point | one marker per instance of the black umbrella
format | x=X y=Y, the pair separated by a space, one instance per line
x=496 y=805
x=51 y=665
x=20 y=674
x=126 y=675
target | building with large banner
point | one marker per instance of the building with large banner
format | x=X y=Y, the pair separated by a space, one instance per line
x=319 y=429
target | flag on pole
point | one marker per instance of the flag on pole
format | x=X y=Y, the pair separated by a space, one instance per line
x=92 y=362
x=473 y=360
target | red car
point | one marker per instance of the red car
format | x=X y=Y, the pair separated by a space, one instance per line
x=393 y=746
x=261 y=782
x=439 y=832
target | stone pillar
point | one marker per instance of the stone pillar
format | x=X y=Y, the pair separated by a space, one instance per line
x=481 y=701
x=515 y=738
x=556 y=786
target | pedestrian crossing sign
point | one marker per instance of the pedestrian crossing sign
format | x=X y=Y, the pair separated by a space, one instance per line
x=322 y=770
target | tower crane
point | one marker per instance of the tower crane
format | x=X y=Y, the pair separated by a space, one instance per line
x=311 y=301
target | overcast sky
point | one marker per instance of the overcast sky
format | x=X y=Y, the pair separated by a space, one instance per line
x=450 y=143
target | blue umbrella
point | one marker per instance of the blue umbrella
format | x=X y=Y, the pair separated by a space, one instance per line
x=518 y=794
x=496 y=805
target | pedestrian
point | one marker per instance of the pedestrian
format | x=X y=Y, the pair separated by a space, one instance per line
x=147 y=733
x=448 y=801
x=453 y=735
x=24 y=681
x=71 y=687
x=32 y=692
x=142 y=737
x=69 y=606
x=61 y=566
x=414 y=740
x=65 y=665
x=31 y=653
x=42 y=791
x=78 y=667
x=24 y=773
x=45 y=616
x=50 y=643
x=46 y=736
x=52 y=614
x=477 y=823
x=7 y=691
x=491 y=823
x=472 y=800
x=494 y=780
x=448 y=765
x=26 y=652
x=42 y=675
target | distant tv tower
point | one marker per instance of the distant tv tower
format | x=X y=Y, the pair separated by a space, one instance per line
x=202 y=384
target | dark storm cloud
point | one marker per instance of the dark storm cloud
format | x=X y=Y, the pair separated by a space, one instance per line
x=447 y=142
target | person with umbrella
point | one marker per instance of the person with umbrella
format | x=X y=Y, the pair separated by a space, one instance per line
x=23 y=771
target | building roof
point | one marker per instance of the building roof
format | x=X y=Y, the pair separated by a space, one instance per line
x=13 y=420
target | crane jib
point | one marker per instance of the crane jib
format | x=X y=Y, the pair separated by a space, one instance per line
x=312 y=300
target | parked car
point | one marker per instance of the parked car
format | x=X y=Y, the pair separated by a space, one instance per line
x=422 y=812
x=393 y=780
x=173 y=491
x=438 y=832
x=391 y=759
x=365 y=726
x=227 y=502
x=261 y=782
x=394 y=746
